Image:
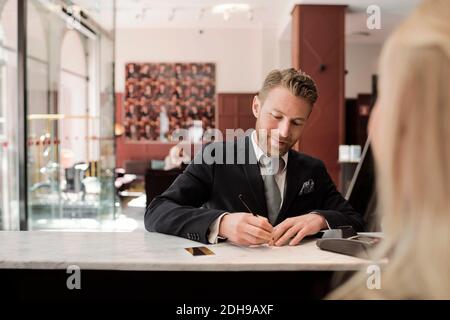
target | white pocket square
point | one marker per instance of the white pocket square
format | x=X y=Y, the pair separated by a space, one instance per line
x=307 y=187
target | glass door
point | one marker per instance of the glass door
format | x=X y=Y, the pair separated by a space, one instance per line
x=71 y=156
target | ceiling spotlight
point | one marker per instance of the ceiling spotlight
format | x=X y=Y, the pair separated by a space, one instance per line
x=231 y=7
x=201 y=14
x=142 y=14
x=172 y=14
x=226 y=15
x=250 y=15
x=227 y=9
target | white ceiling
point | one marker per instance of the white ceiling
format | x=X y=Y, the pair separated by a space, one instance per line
x=266 y=14
x=195 y=14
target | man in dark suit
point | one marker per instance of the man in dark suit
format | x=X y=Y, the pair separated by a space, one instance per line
x=290 y=194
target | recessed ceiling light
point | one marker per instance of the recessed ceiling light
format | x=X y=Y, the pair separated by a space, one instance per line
x=250 y=15
x=172 y=14
x=230 y=7
x=201 y=14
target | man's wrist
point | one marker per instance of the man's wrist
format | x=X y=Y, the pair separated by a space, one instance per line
x=220 y=231
x=213 y=230
x=324 y=223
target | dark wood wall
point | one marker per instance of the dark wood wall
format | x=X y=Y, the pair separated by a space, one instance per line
x=357 y=119
x=234 y=111
x=318 y=48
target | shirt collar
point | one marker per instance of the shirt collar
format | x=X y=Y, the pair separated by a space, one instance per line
x=259 y=152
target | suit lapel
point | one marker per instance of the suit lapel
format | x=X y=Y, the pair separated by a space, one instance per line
x=294 y=175
x=253 y=176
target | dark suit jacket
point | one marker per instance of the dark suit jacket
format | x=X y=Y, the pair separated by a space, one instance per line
x=204 y=191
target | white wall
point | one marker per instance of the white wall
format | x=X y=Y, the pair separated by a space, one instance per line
x=361 y=62
x=269 y=52
x=284 y=54
x=242 y=56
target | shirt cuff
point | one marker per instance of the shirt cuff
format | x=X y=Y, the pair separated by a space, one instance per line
x=326 y=221
x=213 y=236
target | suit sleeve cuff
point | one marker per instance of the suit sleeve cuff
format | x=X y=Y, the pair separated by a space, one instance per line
x=213 y=236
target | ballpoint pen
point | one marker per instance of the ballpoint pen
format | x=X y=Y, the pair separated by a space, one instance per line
x=241 y=197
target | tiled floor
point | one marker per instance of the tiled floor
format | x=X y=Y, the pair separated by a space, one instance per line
x=134 y=208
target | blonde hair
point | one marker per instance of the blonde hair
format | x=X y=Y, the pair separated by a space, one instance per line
x=413 y=174
x=297 y=82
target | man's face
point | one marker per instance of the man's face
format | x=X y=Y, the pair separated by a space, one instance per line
x=284 y=112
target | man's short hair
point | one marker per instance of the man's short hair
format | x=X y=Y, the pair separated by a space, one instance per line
x=297 y=82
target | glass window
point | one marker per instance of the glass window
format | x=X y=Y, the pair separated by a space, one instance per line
x=9 y=208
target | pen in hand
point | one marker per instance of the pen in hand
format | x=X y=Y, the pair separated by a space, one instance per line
x=241 y=197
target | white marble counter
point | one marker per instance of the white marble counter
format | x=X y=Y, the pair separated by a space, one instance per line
x=157 y=252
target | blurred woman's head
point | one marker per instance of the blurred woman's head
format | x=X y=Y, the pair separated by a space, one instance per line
x=410 y=136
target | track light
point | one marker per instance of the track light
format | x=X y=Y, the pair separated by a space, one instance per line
x=226 y=15
x=172 y=14
x=250 y=15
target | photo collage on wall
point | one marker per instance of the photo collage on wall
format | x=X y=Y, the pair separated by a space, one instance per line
x=163 y=97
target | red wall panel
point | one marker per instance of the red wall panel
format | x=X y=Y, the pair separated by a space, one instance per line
x=318 y=48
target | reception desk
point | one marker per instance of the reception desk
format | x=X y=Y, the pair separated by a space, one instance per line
x=143 y=262
x=146 y=251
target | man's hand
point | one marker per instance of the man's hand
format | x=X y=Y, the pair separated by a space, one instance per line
x=297 y=228
x=245 y=229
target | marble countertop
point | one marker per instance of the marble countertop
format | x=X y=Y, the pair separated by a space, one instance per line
x=157 y=252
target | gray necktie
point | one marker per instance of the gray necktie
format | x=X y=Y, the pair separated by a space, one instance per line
x=270 y=167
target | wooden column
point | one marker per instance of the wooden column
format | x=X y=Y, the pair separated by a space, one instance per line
x=318 y=49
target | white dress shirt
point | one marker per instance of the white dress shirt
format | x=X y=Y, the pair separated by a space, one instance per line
x=280 y=179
